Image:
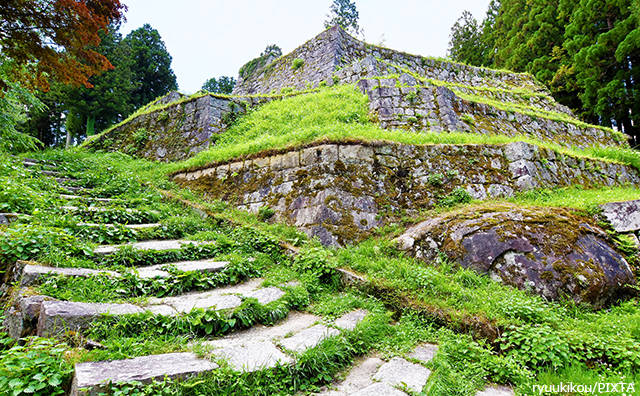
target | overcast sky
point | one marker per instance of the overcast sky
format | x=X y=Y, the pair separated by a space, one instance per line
x=212 y=38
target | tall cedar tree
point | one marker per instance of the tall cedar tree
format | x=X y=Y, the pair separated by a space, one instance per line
x=52 y=37
x=466 y=43
x=152 y=71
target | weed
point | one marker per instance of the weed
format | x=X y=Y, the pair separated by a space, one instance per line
x=297 y=63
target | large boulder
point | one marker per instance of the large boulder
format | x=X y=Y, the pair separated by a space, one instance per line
x=553 y=252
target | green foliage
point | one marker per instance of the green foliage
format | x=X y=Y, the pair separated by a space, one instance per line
x=456 y=197
x=36 y=368
x=23 y=242
x=265 y=213
x=223 y=85
x=436 y=179
x=344 y=14
x=14 y=101
x=315 y=261
x=297 y=63
x=152 y=73
x=250 y=67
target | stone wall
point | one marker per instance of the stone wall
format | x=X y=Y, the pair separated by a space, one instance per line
x=334 y=49
x=339 y=192
x=178 y=129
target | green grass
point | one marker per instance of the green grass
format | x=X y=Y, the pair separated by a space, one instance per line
x=576 y=197
x=339 y=114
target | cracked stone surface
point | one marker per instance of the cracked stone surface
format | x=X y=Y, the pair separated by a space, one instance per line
x=93 y=375
x=623 y=216
x=308 y=338
x=252 y=356
x=399 y=371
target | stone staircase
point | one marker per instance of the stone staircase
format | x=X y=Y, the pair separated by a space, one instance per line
x=241 y=350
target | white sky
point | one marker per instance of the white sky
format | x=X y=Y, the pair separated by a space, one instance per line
x=215 y=38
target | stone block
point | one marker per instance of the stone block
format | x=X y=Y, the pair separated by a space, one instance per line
x=266 y=295
x=59 y=316
x=92 y=378
x=308 y=338
x=236 y=167
x=261 y=162
x=350 y=320
x=399 y=371
x=424 y=353
x=324 y=154
x=291 y=160
x=252 y=356
x=355 y=154
x=31 y=273
x=520 y=151
x=623 y=216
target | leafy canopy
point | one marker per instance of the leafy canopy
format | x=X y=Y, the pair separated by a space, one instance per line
x=223 y=85
x=55 y=37
x=344 y=14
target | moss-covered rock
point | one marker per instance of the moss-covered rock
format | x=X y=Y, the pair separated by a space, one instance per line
x=553 y=252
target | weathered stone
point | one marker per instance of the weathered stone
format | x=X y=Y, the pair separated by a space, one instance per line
x=553 y=252
x=202 y=266
x=92 y=378
x=266 y=295
x=424 y=353
x=350 y=320
x=308 y=338
x=148 y=245
x=497 y=390
x=252 y=356
x=32 y=273
x=379 y=389
x=399 y=372
x=623 y=216
x=60 y=316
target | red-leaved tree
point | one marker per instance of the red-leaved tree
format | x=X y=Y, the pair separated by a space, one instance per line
x=56 y=38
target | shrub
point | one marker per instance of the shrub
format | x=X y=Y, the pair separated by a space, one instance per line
x=297 y=63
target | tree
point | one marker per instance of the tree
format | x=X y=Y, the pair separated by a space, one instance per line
x=151 y=66
x=344 y=14
x=272 y=50
x=223 y=85
x=13 y=106
x=465 y=44
x=603 y=43
x=53 y=37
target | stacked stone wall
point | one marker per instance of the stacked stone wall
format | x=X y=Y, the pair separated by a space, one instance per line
x=340 y=192
x=178 y=130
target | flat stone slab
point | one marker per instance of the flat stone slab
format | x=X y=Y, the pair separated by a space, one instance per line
x=360 y=376
x=201 y=265
x=350 y=320
x=379 y=389
x=31 y=273
x=94 y=376
x=59 y=316
x=424 y=353
x=253 y=356
x=623 y=216
x=223 y=298
x=66 y=180
x=266 y=295
x=400 y=371
x=308 y=338
x=147 y=245
x=67 y=196
x=496 y=391
x=132 y=226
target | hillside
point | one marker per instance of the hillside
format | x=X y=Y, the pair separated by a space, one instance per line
x=352 y=221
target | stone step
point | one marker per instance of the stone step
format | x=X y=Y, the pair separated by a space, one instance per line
x=30 y=163
x=247 y=351
x=373 y=376
x=91 y=378
x=63 y=180
x=75 y=189
x=147 y=245
x=67 y=196
x=132 y=226
x=59 y=316
x=32 y=273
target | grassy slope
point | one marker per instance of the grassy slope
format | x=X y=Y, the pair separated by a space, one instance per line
x=340 y=113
